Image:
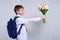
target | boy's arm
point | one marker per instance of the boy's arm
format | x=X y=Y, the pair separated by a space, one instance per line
x=23 y=20
x=34 y=19
x=37 y=19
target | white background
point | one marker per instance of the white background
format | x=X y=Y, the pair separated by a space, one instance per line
x=36 y=30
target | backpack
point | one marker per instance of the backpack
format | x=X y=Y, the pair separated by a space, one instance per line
x=11 y=28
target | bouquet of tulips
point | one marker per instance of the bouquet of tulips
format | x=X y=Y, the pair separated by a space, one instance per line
x=43 y=8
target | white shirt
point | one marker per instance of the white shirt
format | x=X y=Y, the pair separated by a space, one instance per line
x=19 y=21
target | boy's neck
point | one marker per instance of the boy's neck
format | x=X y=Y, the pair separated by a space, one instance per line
x=19 y=14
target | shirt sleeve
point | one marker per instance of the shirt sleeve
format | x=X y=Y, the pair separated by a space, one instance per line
x=34 y=19
x=24 y=20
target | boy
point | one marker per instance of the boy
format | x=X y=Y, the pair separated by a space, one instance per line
x=20 y=22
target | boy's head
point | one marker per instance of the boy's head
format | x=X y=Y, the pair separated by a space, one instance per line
x=19 y=9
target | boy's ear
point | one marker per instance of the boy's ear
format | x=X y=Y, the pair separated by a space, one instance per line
x=17 y=12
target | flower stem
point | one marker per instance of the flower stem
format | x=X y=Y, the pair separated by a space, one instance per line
x=44 y=21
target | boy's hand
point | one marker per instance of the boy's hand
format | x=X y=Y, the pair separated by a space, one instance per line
x=43 y=17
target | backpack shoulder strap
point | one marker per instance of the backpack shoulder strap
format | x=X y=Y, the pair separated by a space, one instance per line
x=16 y=17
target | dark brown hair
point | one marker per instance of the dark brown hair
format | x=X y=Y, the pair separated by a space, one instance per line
x=17 y=7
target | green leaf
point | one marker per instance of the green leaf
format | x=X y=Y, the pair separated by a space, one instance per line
x=43 y=11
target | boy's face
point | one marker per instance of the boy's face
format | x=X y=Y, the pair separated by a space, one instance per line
x=21 y=11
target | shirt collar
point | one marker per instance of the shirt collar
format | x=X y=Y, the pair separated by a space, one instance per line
x=19 y=15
